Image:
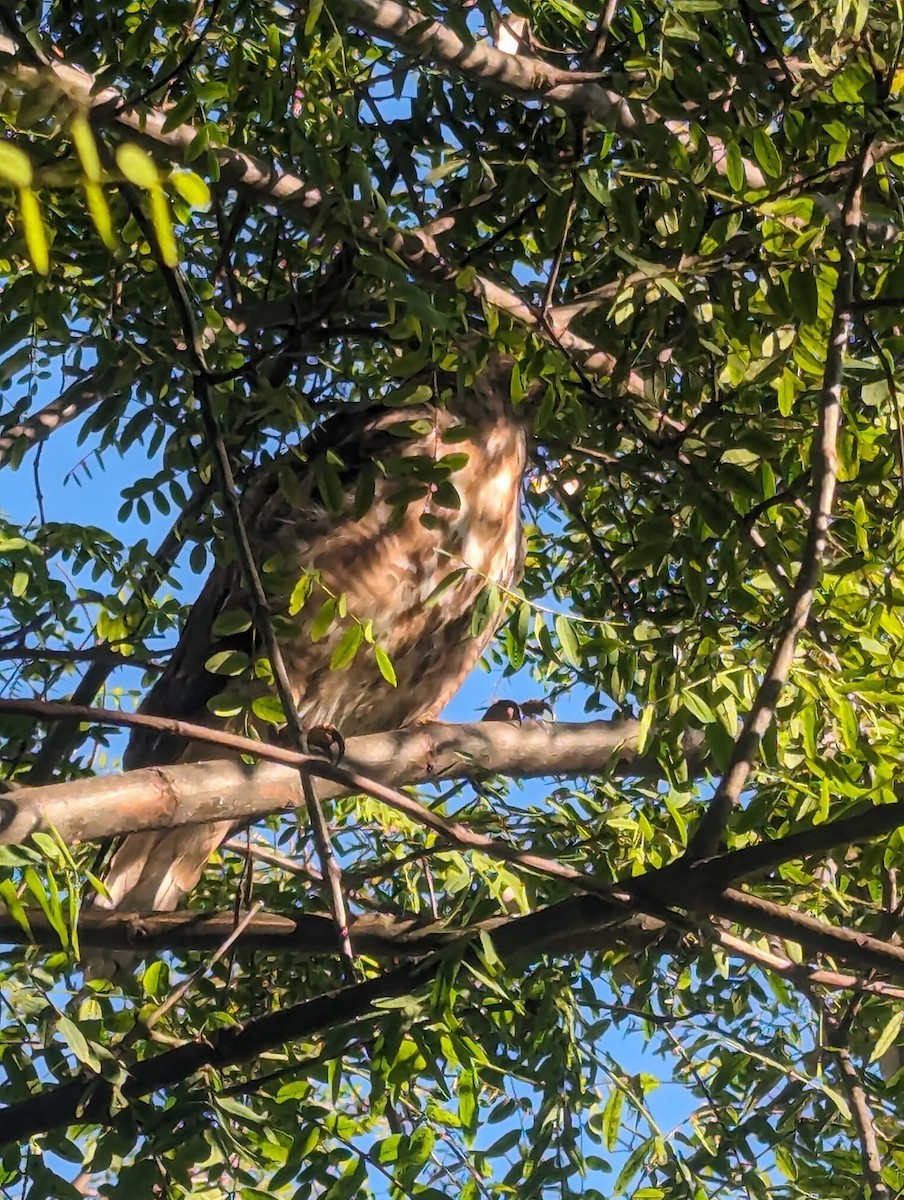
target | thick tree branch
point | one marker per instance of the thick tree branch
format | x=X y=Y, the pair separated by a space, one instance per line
x=570 y=927
x=659 y=894
x=89 y=1099
x=521 y=76
x=796 y=971
x=818 y=937
x=525 y=77
x=194 y=793
x=267 y=183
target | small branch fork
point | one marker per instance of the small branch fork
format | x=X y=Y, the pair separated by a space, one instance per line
x=824 y=458
x=260 y=607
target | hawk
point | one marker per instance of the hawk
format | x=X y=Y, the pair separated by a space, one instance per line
x=441 y=490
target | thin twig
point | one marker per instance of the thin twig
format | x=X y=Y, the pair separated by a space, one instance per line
x=793 y=970
x=93 y=654
x=258 y=602
x=272 y=858
x=178 y=992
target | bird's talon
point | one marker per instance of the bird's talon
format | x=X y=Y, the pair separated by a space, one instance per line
x=511 y=710
x=537 y=710
x=328 y=741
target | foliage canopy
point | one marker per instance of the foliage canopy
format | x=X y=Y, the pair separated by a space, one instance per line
x=684 y=217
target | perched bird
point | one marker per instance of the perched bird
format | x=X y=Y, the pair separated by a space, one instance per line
x=379 y=509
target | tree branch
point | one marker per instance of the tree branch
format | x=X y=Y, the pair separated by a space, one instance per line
x=659 y=894
x=78 y=398
x=259 y=604
x=521 y=76
x=194 y=793
x=525 y=77
x=268 y=184
x=569 y=927
x=824 y=467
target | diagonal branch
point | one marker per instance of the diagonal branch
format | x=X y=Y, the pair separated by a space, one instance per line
x=824 y=467
x=78 y=398
x=259 y=605
x=525 y=77
x=521 y=76
x=90 y=1100
x=267 y=183
x=568 y=927
x=92 y=809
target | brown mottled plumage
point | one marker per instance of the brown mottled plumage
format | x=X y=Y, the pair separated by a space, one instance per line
x=386 y=563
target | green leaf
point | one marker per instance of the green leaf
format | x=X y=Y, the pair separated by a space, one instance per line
x=888 y=1036
x=230 y=622
x=612 y=1118
x=694 y=704
x=349 y=643
x=35 y=233
x=15 y=166
x=163 y=226
x=268 y=709
x=568 y=641
x=86 y=147
x=227 y=662
x=49 y=903
x=385 y=666
x=77 y=1043
x=321 y=624
x=100 y=213
x=734 y=166
x=300 y=594
x=330 y=486
x=14 y=906
x=313 y=16
x=766 y=154
x=155 y=980
x=192 y=188
x=137 y=166
x=444 y=584
x=445 y=495
x=467 y=1103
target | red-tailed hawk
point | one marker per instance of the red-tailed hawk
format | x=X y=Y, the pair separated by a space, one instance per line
x=378 y=507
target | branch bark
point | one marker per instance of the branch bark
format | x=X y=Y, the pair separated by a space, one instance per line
x=267 y=183
x=78 y=398
x=525 y=77
x=158 y=797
